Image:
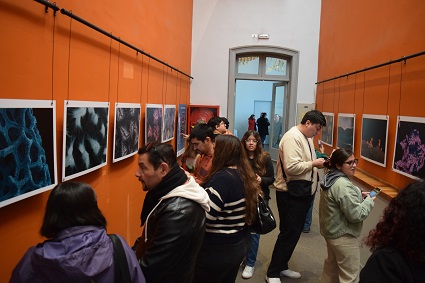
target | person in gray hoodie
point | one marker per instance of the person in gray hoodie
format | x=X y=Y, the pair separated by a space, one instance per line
x=173 y=216
x=342 y=209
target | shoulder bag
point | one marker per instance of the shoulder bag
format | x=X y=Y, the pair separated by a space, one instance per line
x=122 y=273
x=265 y=221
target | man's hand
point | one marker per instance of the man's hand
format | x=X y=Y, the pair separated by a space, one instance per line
x=318 y=162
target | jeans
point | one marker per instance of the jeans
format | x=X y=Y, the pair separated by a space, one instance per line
x=309 y=217
x=251 y=256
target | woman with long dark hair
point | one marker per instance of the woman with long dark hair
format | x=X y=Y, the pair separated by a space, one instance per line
x=252 y=124
x=341 y=213
x=233 y=191
x=398 y=242
x=262 y=165
x=78 y=248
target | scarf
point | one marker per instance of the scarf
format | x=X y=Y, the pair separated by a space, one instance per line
x=176 y=177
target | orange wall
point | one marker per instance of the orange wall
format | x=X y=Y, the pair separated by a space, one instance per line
x=358 y=34
x=87 y=65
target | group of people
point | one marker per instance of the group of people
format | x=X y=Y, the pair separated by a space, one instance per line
x=196 y=225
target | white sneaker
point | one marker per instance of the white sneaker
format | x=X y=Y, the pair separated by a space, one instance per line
x=273 y=280
x=247 y=272
x=291 y=274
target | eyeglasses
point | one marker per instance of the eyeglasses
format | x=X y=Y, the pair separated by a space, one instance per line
x=150 y=146
x=248 y=141
x=352 y=162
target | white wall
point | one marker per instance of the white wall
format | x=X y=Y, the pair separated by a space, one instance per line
x=219 y=25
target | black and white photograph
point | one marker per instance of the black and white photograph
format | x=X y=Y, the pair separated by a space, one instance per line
x=85 y=137
x=409 y=149
x=169 y=123
x=153 y=123
x=181 y=128
x=374 y=139
x=27 y=148
x=328 y=131
x=346 y=126
x=126 y=130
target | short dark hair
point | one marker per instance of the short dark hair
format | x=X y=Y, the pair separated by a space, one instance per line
x=201 y=132
x=214 y=122
x=226 y=122
x=315 y=117
x=158 y=153
x=71 y=204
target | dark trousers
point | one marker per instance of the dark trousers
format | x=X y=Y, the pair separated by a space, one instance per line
x=220 y=263
x=292 y=214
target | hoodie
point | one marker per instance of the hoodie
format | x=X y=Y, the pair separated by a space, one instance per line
x=77 y=254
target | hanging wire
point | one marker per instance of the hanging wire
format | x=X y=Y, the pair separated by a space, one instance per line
x=69 y=55
x=109 y=79
x=401 y=80
x=147 y=85
x=118 y=73
x=177 y=81
x=162 y=89
x=53 y=52
x=364 y=89
x=339 y=94
x=355 y=85
x=141 y=80
x=166 y=86
x=333 y=102
x=323 y=97
x=389 y=82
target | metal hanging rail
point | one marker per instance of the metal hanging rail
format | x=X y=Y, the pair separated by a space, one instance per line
x=404 y=58
x=86 y=23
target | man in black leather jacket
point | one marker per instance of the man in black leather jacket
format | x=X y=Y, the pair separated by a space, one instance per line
x=173 y=216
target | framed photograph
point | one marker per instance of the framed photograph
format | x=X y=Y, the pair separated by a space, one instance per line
x=85 y=137
x=409 y=149
x=374 y=139
x=346 y=126
x=126 y=131
x=169 y=122
x=328 y=131
x=27 y=148
x=181 y=129
x=153 y=123
x=202 y=113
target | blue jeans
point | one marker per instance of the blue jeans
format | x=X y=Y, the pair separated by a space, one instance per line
x=251 y=256
x=309 y=217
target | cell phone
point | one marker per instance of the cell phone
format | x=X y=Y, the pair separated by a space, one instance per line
x=374 y=192
x=319 y=142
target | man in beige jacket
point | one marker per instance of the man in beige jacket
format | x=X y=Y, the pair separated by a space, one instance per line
x=298 y=159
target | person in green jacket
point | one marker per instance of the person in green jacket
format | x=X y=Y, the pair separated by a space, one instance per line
x=342 y=209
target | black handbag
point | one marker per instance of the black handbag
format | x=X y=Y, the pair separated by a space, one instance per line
x=265 y=221
x=298 y=188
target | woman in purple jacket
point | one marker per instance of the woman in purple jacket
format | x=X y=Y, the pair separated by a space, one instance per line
x=78 y=248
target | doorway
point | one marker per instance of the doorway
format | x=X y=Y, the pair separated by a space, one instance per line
x=263 y=79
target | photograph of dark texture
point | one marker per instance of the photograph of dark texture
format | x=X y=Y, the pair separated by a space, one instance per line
x=169 y=123
x=85 y=137
x=153 y=123
x=346 y=123
x=374 y=139
x=181 y=128
x=409 y=150
x=126 y=130
x=27 y=148
x=328 y=131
